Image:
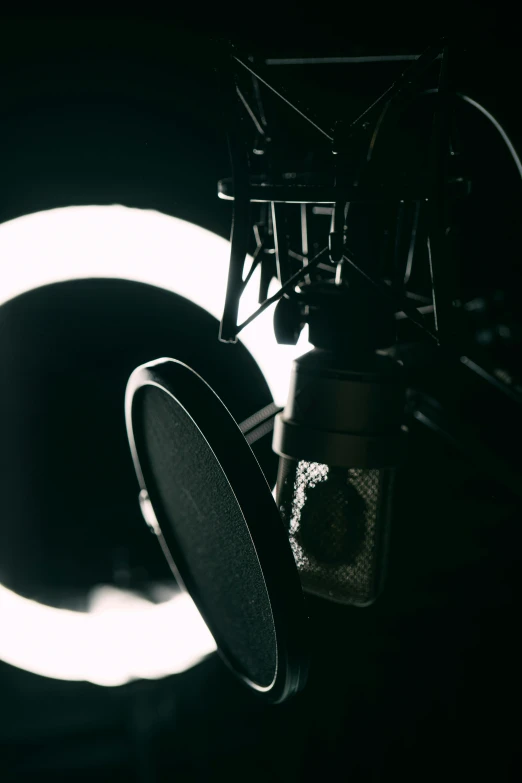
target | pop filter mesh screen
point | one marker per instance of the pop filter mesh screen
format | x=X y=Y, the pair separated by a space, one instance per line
x=215 y=554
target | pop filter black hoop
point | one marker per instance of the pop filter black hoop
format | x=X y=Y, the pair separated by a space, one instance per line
x=205 y=497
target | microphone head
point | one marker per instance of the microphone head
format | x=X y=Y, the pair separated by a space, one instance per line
x=339 y=440
x=338 y=523
x=206 y=498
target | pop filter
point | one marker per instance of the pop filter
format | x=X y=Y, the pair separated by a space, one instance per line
x=206 y=498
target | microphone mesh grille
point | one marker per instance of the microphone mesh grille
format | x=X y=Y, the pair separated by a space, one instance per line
x=336 y=520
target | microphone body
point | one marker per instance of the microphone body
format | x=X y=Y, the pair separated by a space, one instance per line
x=339 y=440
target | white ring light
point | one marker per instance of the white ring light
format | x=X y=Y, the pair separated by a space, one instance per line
x=123 y=637
x=141 y=245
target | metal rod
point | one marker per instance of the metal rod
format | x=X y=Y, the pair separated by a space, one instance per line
x=240 y=234
x=264 y=429
x=443 y=282
x=256 y=260
x=268 y=268
x=491 y=379
x=280 y=241
x=433 y=284
x=424 y=300
x=413 y=241
x=423 y=310
x=376 y=131
x=281 y=95
x=399 y=300
x=304 y=231
x=293 y=281
x=304 y=239
x=404 y=82
x=356 y=60
x=467 y=441
x=297 y=256
x=238 y=252
x=259 y=101
x=260 y=423
x=326 y=267
x=400 y=220
x=251 y=114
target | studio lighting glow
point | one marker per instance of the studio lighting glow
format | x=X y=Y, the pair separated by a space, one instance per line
x=146 y=246
x=123 y=637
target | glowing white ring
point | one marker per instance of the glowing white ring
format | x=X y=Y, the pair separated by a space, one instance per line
x=123 y=637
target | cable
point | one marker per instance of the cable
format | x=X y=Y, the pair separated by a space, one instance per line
x=507 y=141
x=466 y=98
x=498 y=126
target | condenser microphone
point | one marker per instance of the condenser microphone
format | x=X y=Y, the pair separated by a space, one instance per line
x=206 y=498
x=340 y=440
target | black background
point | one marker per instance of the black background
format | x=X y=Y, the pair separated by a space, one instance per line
x=425 y=684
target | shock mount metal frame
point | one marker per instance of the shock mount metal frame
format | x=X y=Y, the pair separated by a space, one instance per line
x=349 y=177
